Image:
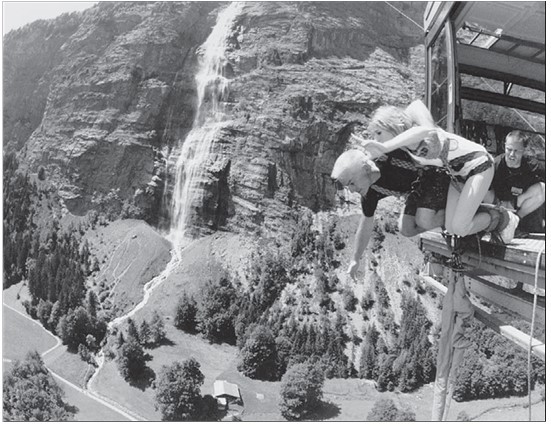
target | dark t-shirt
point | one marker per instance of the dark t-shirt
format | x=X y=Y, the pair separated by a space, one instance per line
x=394 y=178
x=510 y=183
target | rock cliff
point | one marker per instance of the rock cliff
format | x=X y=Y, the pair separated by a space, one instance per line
x=103 y=99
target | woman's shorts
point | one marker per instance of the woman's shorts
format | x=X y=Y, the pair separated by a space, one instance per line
x=429 y=191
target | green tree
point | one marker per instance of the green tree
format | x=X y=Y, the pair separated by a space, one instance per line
x=178 y=394
x=31 y=393
x=368 y=361
x=386 y=378
x=131 y=360
x=74 y=327
x=186 y=314
x=145 y=332
x=157 y=327
x=43 y=311
x=259 y=355
x=283 y=350
x=216 y=313
x=132 y=330
x=301 y=391
x=55 y=316
x=92 y=304
x=385 y=410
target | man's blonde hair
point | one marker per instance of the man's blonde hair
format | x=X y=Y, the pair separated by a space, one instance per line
x=351 y=161
x=391 y=119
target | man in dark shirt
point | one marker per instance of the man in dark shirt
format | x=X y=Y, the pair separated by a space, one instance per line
x=519 y=182
x=392 y=175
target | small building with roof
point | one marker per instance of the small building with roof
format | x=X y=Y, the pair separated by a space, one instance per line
x=226 y=393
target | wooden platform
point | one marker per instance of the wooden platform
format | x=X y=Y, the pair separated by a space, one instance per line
x=516 y=260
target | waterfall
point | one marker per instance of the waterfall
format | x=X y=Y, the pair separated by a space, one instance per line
x=210 y=117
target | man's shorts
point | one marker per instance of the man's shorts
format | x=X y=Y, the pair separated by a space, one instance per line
x=429 y=191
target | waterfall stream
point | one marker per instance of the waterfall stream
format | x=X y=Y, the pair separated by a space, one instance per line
x=210 y=117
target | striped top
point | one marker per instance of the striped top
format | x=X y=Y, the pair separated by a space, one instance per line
x=459 y=156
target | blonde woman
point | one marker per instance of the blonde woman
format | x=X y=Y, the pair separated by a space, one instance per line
x=469 y=165
x=426 y=202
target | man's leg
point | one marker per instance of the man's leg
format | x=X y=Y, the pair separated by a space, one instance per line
x=532 y=199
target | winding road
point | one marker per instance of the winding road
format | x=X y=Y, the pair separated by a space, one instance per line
x=123 y=411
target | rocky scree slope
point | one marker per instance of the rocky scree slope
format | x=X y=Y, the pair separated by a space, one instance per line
x=103 y=99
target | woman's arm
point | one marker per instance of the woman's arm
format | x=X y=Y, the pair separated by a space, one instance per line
x=420 y=114
x=409 y=138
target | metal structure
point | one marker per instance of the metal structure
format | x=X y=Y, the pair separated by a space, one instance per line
x=503 y=42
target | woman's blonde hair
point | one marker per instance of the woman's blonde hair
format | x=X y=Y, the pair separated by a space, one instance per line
x=392 y=119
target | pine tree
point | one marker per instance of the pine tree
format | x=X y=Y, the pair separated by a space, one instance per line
x=55 y=316
x=43 y=311
x=145 y=332
x=132 y=331
x=92 y=304
x=157 y=327
x=369 y=368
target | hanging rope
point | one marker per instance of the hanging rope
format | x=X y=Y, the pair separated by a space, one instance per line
x=532 y=334
x=405 y=16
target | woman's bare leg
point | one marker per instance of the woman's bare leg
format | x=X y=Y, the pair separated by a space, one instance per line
x=463 y=217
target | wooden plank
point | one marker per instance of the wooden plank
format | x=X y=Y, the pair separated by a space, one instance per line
x=516 y=260
x=521 y=250
x=474 y=260
x=494 y=61
x=509 y=332
x=493 y=266
x=505 y=298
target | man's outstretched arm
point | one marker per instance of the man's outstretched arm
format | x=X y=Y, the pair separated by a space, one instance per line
x=361 y=240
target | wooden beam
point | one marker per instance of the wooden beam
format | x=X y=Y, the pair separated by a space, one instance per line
x=517 y=272
x=493 y=98
x=492 y=62
x=505 y=298
x=509 y=332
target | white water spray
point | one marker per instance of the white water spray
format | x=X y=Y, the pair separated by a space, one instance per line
x=212 y=92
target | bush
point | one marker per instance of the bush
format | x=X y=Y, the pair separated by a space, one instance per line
x=462 y=416
x=349 y=299
x=385 y=410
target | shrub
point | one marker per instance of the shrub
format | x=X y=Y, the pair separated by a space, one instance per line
x=385 y=410
x=349 y=299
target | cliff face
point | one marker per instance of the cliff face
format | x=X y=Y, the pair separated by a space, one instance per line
x=103 y=99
